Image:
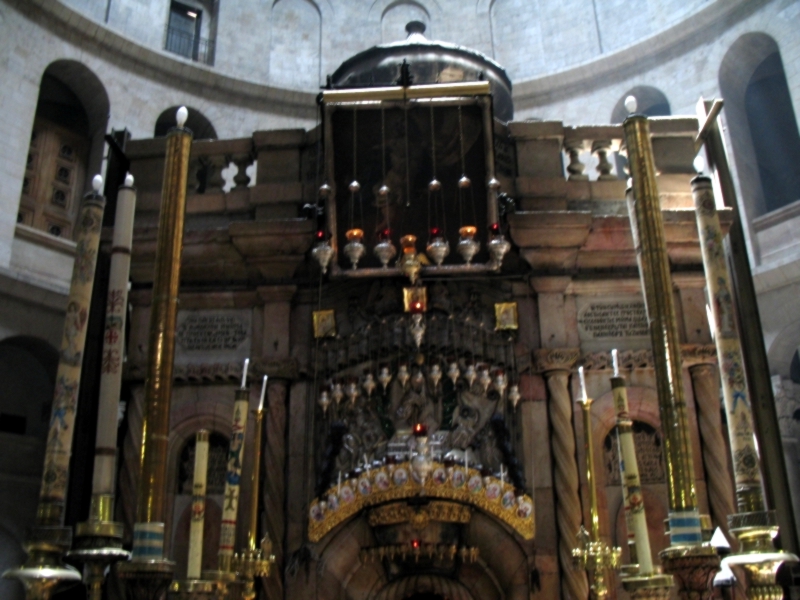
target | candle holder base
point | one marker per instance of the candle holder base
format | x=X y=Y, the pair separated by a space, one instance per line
x=145 y=579
x=44 y=572
x=693 y=568
x=648 y=587
x=198 y=589
x=757 y=563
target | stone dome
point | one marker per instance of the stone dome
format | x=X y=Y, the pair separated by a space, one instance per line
x=429 y=61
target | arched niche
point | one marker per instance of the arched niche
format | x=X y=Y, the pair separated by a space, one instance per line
x=650 y=101
x=66 y=147
x=27 y=369
x=762 y=124
x=395 y=17
x=201 y=127
x=295 y=45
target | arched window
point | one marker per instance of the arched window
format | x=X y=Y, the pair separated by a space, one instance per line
x=192 y=30
x=397 y=15
x=650 y=101
x=66 y=144
x=294 y=54
x=762 y=123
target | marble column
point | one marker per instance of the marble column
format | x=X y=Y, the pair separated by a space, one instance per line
x=556 y=364
x=705 y=383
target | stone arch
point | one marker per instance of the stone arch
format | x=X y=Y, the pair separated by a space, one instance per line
x=67 y=143
x=201 y=126
x=501 y=572
x=763 y=126
x=650 y=101
x=397 y=14
x=424 y=584
x=782 y=348
x=12 y=555
x=28 y=369
x=296 y=44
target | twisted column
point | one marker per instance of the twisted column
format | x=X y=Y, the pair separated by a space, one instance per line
x=556 y=365
x=715 y=455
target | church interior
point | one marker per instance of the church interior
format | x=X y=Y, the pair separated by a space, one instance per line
x=399 y=299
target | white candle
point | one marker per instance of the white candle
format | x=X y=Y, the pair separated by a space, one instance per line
x=244 y=372
x=615 y=361
x=263 y=393
x=339 y=484
x=466 y=462
x=582 y=393
x=198 y=505
x=502 y=474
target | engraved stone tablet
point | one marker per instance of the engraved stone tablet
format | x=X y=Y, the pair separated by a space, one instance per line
x=212 y=336
x=612 y=321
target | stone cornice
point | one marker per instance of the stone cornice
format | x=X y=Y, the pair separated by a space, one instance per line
x=85 y=33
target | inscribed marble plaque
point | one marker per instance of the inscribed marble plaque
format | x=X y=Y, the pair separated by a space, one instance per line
x=213 y=336
x=610 y=319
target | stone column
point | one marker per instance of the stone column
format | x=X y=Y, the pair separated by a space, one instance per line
x=556 y=365
x=705 y=384
x=273 y=357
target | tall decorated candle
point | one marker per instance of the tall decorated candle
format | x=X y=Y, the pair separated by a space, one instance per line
x=198 y=505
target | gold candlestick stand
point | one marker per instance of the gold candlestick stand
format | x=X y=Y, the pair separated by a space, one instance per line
x=592 y=553
x=149 y=573
x=692 y=563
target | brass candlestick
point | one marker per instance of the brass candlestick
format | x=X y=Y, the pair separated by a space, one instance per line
x=692 y=563
x=149 y=572
x=592 y=553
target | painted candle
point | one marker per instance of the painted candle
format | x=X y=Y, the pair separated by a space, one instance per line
x=233 y=475
x=198 y=505
x=635 y=518
x=746 y=471
x=52 y=496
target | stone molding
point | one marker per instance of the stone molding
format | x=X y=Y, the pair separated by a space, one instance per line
x=556 y=359
x=692 y=355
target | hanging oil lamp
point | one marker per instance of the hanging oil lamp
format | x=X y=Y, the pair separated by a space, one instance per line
x=324 y=400
x=409 y=261
x=453 y=371
x=337 y=392
x=421 y=460
x=322 y=251
x=500 y=381
x=435 y=374
x=417 y=328
x=384 y=249
x=403 y=374
x=468 y=246
x=417 y=380
x=498 y=245
x=369 y=384
x=354 y=248
x=438 y=248
x=470 y=374
x=384 y=377
x=351 y=390
x=484 y=379
x=513 y=394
